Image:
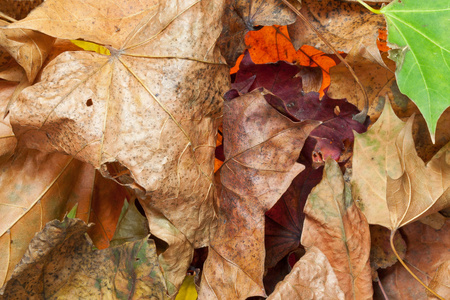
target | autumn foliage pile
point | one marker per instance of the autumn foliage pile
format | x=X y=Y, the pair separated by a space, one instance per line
x=133 y=165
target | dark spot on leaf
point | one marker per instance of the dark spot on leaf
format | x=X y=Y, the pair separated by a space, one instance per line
x=89 y=102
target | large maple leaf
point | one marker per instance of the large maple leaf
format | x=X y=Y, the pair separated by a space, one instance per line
x=149 y=110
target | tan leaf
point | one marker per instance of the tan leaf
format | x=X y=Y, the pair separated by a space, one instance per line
x=344 y=25
x=312 y=277
x=376 y=79
x=151 y=109
x=427 y=249
x=29 y=48
x=34 y=188
x=374 y=156
x=60 y=262
x=422 y=189
x=336 y=226
x=441 y=281
x=7 y=139
x=261 y=149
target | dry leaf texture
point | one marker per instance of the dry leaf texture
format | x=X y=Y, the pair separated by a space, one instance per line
x=151 y=109
x=60 y=262
x=261 y=147
x=336 y=226
x=441 y=281
x=374 y=156
x=312 y=277
x=242 y=16
x=422 y=189
x=344 y=25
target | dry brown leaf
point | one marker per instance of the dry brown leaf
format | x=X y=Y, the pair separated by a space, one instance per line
x=376 y=79
x=29 y=48
x=344 y=25
x=422 y=189
x=441 y=281
x=374 y=156
x=336 y=226
x=34 y=188
x=312 y=277
x=381 y=254
x=7 y=139
x=261 y=149
x=427 y=249
x=60 y=262
x=151 y=109
x=242 y=16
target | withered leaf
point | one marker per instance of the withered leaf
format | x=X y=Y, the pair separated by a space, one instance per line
x=336 y=226
x=7 y=139
x=60 y=262
x=441 y=281
x=150 y=110
x=374 y=156
x=381 y=254
x=242 y=16
x=282 y=79
x=344 y=25
x=311 y=278
x=261 y=147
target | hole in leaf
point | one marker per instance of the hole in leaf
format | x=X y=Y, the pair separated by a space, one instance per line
x=89 y=102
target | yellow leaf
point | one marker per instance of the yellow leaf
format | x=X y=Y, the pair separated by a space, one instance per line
x=187 y=289
x=88 y=46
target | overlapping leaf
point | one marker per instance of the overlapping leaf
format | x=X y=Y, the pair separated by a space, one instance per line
x=150 y=110
x=242 y=16
x=311 y=278
x=345 y=25
x=259 y=166
x=336 y=226
x=333 y=137
x=417 y=32
x=130 y=271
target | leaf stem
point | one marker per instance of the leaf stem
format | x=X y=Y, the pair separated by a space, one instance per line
x=408 y=269
x=360 y=117
x=375 y=11
x=7 y=18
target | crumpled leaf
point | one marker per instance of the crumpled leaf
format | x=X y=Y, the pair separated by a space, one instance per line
x=242 y=16
x=35 y=187
x=422 y=189
x=427 y=249
x=344 y=25
x=129 y=271
x=29 y=48
x=261 y=147
x=336 y=226
x=132 y=225
x=8 y=141
x=282 y=79
x=120 y=110
x=311 y=278
x=19 y=9
x=420 y=47
x=381 y=254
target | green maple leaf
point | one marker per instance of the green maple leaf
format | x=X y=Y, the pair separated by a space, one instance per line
x=420 y=41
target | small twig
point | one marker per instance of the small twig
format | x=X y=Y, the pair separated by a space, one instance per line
x=361 y=117
x=375 y=11
x=408 y=269
x=381 y=288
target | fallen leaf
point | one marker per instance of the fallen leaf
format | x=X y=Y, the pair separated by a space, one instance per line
x=7 y=139
x=119 y=110
x=34 y=189
x=311 y=278
x=187 y=290
x=19 y=9
x=132 y=225
x=422 y=189
x=420 y=49
x=343 y=25
x=374 y=157
x=427 y=249
x=259 y=166
x=336 y=226
x=284 y=221
x=242 y=16
x=441 y=281
x=287 y=95
x=129 y=271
